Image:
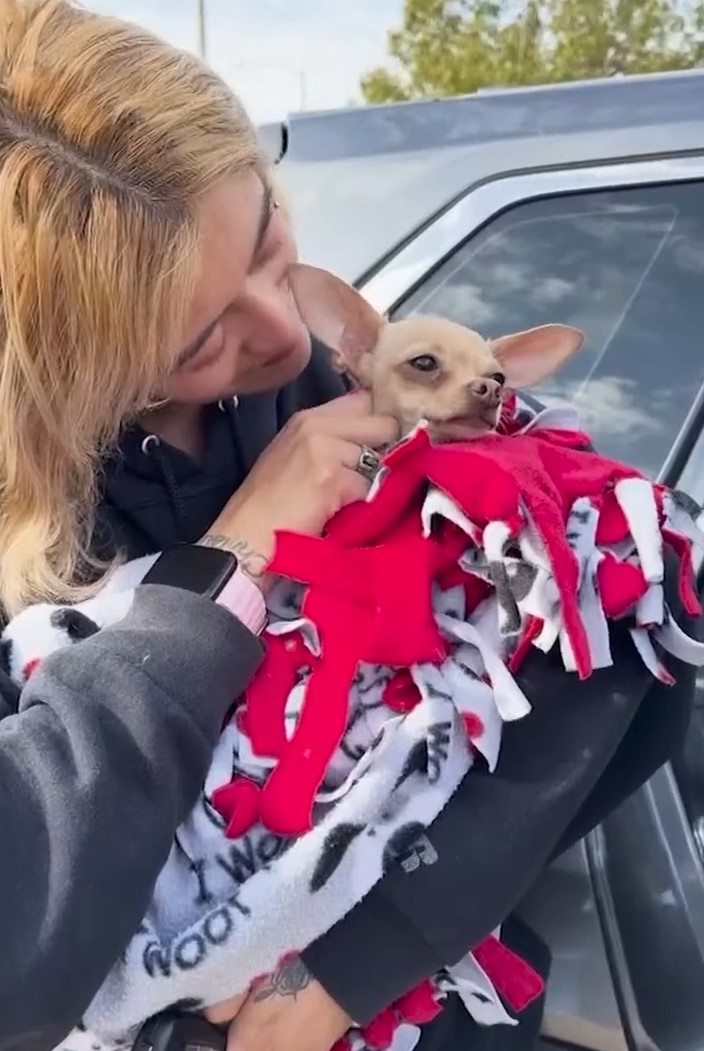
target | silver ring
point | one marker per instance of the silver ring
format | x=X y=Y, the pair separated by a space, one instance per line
x=368 y=464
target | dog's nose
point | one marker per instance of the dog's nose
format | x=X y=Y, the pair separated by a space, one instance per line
x=486 y=390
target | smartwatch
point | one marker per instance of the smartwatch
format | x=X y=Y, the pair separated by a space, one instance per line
x=215 y=574
x=176 y=1032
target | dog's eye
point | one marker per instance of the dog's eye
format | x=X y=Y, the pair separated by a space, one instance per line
x=499 y=377
x=425 y=363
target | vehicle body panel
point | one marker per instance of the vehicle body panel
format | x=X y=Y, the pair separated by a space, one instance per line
x=383 y=196
x=361 y=181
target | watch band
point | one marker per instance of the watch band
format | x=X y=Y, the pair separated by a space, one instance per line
x=241 y=596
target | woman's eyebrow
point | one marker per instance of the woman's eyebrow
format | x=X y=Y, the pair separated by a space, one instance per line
x=265 y=215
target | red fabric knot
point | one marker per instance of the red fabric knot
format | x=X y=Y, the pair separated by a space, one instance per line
x=373 y=586
x=621 y=585
x=30 y=667
x=473 y=725
x=238 y=803
x=419 y=1006
x=357 y=598
x=401 y=693
x=267 y=694
x=534 y=626
x=514 y=980
x=612 y=527
x=379 y=1034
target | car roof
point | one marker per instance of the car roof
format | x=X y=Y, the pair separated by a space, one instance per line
x=363 y=179
x=499 y=115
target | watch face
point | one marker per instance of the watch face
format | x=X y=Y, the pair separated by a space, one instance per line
x=203 y=570
x=170 y=1032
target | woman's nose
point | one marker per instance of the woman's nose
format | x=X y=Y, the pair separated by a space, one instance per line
x=273 y=316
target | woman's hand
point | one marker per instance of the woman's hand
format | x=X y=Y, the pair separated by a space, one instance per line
x=223 y=1013
x=302 y=479
x=289 y=1011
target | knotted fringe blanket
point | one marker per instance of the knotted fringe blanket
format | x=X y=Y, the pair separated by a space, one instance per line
x=391 y=649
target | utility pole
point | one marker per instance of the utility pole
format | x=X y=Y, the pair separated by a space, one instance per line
x=200 y=27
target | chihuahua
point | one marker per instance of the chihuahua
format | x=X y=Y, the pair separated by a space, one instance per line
x=426 y=369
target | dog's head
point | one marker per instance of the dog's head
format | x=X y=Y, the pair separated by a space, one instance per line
x=426 y=368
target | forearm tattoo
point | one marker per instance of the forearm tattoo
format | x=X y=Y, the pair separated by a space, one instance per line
x=289 y=979
x=252 y=562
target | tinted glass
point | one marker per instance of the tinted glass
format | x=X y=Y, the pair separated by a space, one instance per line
x=625 y=266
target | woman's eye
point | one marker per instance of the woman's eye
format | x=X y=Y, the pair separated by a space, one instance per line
x=209 y=349
x=269 y=248
x=214 y=341
x=424 y=363
x=262 y=257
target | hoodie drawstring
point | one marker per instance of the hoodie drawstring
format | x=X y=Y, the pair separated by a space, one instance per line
x=151 y=446
x=229 y=407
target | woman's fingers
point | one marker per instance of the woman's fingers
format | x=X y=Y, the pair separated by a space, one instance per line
x=351 y=418
x=350 y=453
x=356 y=403
x=307 y=473
x=222 y=1013
x=374 y=431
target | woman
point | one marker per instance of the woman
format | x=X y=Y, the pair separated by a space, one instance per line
x=157 y=386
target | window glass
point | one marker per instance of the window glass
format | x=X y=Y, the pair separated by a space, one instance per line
x=625 y=266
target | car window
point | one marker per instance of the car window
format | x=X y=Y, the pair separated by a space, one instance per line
x=625 y=266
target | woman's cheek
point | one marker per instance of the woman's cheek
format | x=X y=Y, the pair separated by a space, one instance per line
x=202 y=386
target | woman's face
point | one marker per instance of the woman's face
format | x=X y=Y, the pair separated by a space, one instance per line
x=243 y=331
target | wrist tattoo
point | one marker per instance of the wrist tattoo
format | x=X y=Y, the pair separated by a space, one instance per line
x=289 y=979
x=252 y=562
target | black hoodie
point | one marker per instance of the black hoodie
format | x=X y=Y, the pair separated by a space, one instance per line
x=560 y=771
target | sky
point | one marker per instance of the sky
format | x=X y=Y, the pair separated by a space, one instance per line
x=280 y=55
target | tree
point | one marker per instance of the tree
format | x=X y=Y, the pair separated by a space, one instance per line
x=451 y=47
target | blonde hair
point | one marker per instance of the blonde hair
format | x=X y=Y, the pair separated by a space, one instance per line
x=108 y=138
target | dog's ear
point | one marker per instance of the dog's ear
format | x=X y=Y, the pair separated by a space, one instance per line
x=337 y=315
x=529 y=357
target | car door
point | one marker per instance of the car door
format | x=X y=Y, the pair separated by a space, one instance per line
x=617 y=250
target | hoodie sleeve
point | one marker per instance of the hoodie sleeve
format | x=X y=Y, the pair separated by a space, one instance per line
x=560 y=772
x=103 y=760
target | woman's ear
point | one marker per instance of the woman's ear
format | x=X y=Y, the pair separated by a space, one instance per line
x=529 y=357
x=337 y=315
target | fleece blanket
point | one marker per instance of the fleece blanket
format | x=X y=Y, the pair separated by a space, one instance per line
x=391 y=651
